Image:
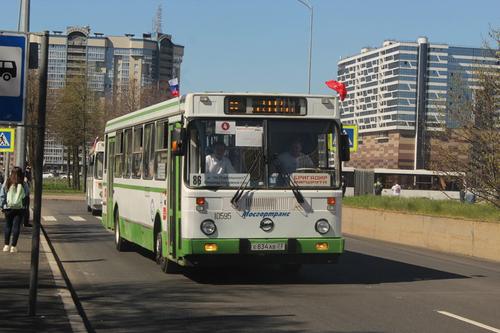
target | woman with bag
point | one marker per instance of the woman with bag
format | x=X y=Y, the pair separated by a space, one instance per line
x=11 y=200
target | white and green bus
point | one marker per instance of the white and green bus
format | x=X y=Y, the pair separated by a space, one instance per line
x=222 y=178
x=94 y=179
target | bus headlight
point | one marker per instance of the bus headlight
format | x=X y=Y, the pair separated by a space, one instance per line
x=322 y=226
x=208 y=227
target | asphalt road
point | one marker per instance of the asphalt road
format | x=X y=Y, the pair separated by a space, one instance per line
x=376 y=287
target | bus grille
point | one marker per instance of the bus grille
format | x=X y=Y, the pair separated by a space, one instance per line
x=271 y=204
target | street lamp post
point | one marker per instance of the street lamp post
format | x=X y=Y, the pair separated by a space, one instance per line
x=310 y=7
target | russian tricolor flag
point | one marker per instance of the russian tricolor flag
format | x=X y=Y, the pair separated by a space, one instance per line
x=174 y=87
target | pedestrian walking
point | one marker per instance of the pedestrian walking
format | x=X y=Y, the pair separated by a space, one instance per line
x=378 y=187
x=11 y=200
x=26 y=201
x=344 y=186
x=396 y=190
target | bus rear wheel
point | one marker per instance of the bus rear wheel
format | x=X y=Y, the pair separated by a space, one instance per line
x=166 y=265
x=121 y=244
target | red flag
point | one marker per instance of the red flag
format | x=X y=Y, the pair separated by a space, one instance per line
x=338 y=87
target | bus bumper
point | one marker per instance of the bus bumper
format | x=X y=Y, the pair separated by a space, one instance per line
x=239 y=251
x=96 y=204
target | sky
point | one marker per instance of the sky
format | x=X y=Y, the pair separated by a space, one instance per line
x=263 y=45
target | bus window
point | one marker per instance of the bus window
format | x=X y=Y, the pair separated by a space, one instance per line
x=106 y=155
x=127 y=144
x=161 y=151
x=148 y=153
x=118 y=154
x=137 y=152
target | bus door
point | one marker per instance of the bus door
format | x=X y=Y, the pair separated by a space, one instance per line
x=109 y=195
x=174 y=200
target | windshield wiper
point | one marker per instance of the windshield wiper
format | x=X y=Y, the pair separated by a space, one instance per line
x=239 y=192
x=286 y=176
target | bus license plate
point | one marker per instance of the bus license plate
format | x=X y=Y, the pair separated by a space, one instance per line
x=268 y=247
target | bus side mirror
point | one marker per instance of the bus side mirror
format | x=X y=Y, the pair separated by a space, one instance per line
x=177 y=145
x=345 y=153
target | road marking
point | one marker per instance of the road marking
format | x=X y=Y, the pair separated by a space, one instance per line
x=99 y=218
x=77 y=218
x=472 y=322
x=49 y=218
x=74 y=318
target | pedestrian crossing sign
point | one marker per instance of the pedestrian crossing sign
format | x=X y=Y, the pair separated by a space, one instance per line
x=352 y=133
x=7 y=136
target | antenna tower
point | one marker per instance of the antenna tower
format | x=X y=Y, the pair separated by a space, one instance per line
x=158 y=20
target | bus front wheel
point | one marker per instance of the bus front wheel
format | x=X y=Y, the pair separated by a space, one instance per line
x=121 y=244
x=166 y=265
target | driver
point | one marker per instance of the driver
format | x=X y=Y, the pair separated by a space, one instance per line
x=294 y=158
x=216 y=162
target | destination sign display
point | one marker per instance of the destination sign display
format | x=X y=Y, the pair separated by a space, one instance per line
x=268 y=105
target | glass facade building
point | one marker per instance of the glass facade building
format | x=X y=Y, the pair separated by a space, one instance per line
x=402 y=86
x=382 y=82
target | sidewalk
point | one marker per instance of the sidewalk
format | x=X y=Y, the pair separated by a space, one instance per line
x=14 y=291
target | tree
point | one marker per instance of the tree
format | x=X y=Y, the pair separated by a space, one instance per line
x=132 y=97
x=469 y=141
x=76 y=120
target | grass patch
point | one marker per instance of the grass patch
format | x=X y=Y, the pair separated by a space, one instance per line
x=424 y=206
x=58 y=186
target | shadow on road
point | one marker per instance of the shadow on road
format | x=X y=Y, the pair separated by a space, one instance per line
x=353 y=268
x=14 y=291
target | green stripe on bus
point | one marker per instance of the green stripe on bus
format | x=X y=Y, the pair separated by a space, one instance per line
x=137 y=233
x=140 y=188
x=143 y=113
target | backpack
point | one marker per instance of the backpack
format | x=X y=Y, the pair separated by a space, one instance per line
x=15 y=197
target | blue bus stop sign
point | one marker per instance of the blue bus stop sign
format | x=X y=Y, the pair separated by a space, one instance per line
x=12 y=77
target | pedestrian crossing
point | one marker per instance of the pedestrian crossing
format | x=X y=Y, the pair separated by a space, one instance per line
x=75 y=218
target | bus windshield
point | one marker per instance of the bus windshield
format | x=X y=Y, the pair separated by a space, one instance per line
x=272 y=153
x=98 y=166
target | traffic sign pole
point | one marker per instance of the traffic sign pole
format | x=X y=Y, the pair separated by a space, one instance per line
x=21 y=131
x=37 y=209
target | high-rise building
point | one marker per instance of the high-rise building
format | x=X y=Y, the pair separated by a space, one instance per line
x=112 y=61
x=396 y=93
x=111 y=64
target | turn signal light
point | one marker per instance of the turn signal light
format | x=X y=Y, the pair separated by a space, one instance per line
x=321 y=246
x=330 y=201
x=210 y=247
x=175 y=146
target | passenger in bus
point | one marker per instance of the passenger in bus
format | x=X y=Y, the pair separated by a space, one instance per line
x=294 y=158
x=216 y=162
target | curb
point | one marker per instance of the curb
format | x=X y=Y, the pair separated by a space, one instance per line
x=70 y=197
x=74 y=310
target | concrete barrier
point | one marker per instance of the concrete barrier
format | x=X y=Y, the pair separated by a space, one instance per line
x=464 y=237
